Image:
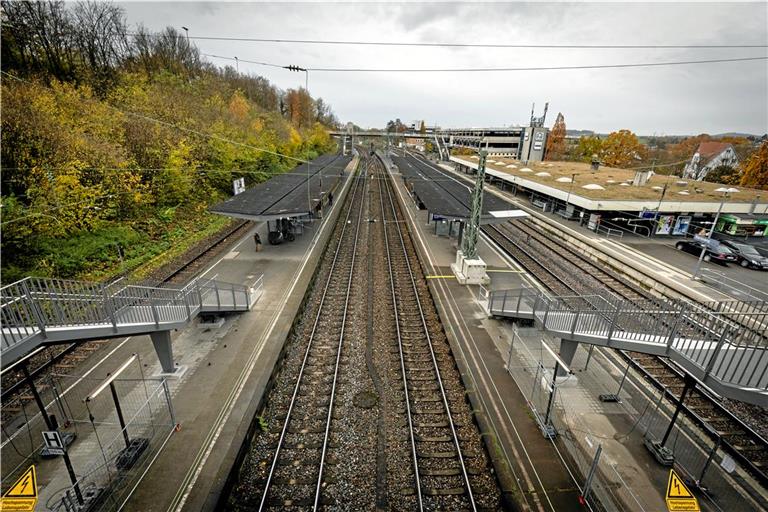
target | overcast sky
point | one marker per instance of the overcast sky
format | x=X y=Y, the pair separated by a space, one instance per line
x=711 y=98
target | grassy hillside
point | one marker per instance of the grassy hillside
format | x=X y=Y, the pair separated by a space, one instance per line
x=106 y=168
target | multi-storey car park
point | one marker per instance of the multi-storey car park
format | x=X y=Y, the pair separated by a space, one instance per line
x=347 y=369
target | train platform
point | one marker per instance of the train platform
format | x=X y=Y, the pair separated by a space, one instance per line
x=655 y=258
x=231 y=367
x=507 y=384
x=531 y=469
x=222 y=371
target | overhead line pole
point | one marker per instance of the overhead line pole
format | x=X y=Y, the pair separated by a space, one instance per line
x=309 y=115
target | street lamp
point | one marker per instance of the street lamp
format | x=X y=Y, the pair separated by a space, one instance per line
x=725 y=191
x=186 y=30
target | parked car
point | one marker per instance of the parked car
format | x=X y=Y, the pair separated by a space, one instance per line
x=746 y=255
x=715 y=253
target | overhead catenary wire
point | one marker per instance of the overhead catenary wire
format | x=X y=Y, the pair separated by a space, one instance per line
x=501 y=69
x=566 y=46
x=534 y=68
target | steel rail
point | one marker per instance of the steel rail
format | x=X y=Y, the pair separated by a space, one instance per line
x=412 y=437
x=341 y=342
x=627 y=291
x=729 y=447
x=297 y=387
x=432 y=354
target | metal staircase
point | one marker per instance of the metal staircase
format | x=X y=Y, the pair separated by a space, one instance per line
x=39 y=311
x=725 y=349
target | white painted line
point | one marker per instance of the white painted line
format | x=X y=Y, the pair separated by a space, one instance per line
x=518 y=458
x=205 y=451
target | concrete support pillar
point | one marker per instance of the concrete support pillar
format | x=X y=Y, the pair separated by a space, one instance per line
x=162 y=343
x=567 y=351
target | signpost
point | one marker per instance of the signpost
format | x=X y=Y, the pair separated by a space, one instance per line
x=679 y=497
x=53 y=442
x=22 y=496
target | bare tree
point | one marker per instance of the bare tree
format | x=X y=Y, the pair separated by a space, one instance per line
x=101 y=37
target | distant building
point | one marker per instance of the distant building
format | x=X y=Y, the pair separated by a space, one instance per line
x=710 y=155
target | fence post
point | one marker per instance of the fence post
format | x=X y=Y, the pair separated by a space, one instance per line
x=575 y=321
x=717 y=350
x=110 y=308
x=612 y=327
x=155 y=316
x=34 y=307
x=546 y=314
x=711 y=456
x=591 y=474
x=186 y=304
x=170 y=404
x=675 y=327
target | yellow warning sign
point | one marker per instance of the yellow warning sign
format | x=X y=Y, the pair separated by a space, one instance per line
x=22 y=496
x=679 y=497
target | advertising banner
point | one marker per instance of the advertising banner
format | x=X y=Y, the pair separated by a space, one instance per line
x=664 y=224
x=681 y=225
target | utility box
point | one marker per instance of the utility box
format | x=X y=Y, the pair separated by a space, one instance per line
x=469 y=271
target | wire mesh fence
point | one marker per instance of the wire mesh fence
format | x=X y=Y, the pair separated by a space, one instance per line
x=597 y=439
x=114 y=428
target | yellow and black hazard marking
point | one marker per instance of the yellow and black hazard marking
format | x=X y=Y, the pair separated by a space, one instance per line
x=22 y=496
x=679 y=497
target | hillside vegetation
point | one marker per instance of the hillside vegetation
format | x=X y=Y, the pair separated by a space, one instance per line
x=114 y=143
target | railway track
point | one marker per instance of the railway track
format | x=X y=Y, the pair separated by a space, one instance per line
x=720 y=424
x=295 y=477
x=441 y=471
x=567 y=273
x=368 y=410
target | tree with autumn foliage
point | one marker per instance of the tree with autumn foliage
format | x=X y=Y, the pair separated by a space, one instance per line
x=555 y=149
x=586 y=147
x=755 y=169
x=622 y=149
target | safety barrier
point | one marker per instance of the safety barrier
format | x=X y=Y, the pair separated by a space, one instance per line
x=726 y=349
x=36 y=310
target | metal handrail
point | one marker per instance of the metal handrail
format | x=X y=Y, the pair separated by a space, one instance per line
x=712 y=341
x=31 y=306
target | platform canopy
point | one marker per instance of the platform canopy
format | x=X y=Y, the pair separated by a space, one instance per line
x=443 y=195
x=287 y=194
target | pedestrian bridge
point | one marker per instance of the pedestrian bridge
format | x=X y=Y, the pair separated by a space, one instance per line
x=38 y=311
x=725 y=348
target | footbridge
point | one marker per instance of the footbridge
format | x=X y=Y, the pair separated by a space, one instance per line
x=35 y=312
x=725 y=348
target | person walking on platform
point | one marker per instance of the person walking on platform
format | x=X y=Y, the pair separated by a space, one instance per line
x=257 y=240
x=330 y=198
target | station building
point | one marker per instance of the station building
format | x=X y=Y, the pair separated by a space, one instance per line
x=613 y=201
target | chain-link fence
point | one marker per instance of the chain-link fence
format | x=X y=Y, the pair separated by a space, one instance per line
x=114 y=428
x=596 y=438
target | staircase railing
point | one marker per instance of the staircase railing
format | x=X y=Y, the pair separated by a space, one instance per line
x=728 y=345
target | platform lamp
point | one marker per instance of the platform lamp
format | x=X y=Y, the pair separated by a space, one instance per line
x=726 y=192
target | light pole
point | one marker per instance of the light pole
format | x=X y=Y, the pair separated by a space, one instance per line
x=568 y=197
x=237 y=64
x=186 y=30
x=725 y=191
x=309 y=107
